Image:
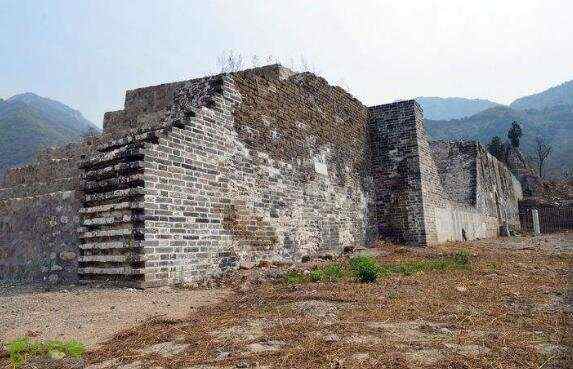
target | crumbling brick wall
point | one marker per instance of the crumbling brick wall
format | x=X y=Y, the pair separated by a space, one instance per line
x=481 y=192
x=260 y=173
x=39 y=219
x=456 y=164
x=259 y=164
x=394 y=138
x=39 y=216
x=497 y=190
x=38 y=239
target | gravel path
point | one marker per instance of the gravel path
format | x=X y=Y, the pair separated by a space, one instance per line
x=91 y=315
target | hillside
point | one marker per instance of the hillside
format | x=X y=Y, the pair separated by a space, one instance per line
x=558 y=95
x=438 y=108
x=29 y=121
x=554 y=124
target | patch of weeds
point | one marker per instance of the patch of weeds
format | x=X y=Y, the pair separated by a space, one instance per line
x=460 y=260
x=23 y=348
x=462 y=257
x=329 y=273
x=316 y=275
x=366 y=268
x=295 y=278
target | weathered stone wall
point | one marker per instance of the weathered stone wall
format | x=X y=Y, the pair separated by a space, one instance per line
x=393 y=134
x=39 y=218
x=498 y=190
x=261 y=174
x=456 y=164
x=429 y=193
x=150 y=107
x=480 y=193
x=197 y=177
x=38 y=239
x=455 y=221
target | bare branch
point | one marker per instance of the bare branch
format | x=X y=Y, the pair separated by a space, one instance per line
x=233 y=61
x=542 y=152
x=230 y=61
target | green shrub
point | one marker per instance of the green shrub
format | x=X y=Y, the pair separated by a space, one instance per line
x=333 y=273
x=366 y=268
x=22 y=348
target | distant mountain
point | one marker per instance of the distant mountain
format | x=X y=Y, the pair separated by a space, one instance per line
x=554 y=124
x=29 y=121
x=444 y=108
x=559 y=95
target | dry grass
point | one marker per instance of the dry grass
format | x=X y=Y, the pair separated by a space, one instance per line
x=501 y=312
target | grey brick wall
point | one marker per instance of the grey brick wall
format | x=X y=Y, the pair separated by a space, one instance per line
x=394 y=130
x=194 y=178
x=215 y=199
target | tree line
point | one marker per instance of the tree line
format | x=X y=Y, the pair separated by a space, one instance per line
x=501 y=150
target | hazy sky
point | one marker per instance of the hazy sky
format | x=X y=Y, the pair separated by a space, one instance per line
x=87 y=53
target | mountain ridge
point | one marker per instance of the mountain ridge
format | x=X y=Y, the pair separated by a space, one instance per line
x=554 y=125
x=444 y=108
x=561 y=94
x=29 y=121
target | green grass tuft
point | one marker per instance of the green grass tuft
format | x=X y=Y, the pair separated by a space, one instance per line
x=367 y=269
x=462 y=257
x=329 y=273
x=23 y=348
x=460 y=260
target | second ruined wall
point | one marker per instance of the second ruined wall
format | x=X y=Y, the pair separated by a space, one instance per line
x=428 y=193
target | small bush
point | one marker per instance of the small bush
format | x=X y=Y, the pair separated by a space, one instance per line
x=22 y=348
x=333 y=273
x=316 y=275
x=366 y=268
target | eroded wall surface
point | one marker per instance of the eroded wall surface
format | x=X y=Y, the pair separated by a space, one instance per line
x=428 y=193
x=274 y=169
x=477 y=193
x=39 y=219
x=397 y=173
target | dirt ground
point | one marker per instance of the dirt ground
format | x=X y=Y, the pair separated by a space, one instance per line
x=511 y=308
x=91 y=315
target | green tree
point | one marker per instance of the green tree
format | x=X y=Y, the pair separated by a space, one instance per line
x=497 y=148
x=514 y=134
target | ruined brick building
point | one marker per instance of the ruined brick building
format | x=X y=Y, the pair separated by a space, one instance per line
x=193 y=178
